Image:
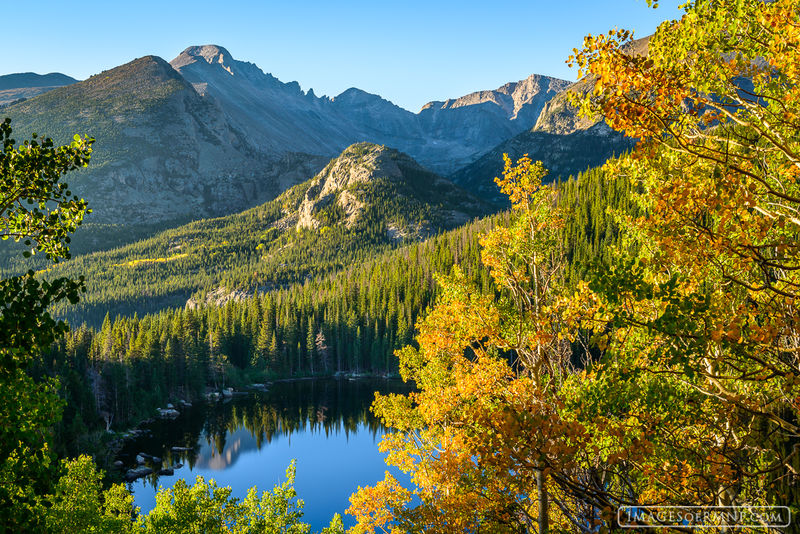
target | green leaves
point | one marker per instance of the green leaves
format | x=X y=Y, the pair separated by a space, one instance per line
x=35 y=207
x=34 y=203
x=205 y=507
x=79 y=503
x=25 y=324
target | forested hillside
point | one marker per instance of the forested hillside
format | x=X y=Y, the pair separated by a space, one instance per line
x=563 y=155
x=350 y=321
x=367 y=200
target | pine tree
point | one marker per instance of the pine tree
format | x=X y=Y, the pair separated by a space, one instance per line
x=261 y=354
x=310 y=344
x=272 y=355
x=321 y=348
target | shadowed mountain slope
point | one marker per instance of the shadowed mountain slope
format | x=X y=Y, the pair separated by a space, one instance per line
x=562 y=155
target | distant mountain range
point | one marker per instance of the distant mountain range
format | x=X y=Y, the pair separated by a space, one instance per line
x=15 y=87
x=208 y=135
x=566 y=142
x=277 y=116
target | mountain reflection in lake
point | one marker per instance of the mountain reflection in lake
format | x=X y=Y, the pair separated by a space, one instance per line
x=249 y=441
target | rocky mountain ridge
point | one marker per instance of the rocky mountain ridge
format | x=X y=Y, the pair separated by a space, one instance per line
x=280 y=116
x=512 y=98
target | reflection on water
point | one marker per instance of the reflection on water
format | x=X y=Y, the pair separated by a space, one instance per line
x=249 y=440
x=211 y=458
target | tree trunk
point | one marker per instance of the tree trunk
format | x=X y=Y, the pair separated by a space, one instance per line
x=541 y=490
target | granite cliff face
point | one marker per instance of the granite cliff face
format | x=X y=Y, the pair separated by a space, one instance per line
x=279 y=116
x=478 y=121
x=275 y=117
x=517 y=102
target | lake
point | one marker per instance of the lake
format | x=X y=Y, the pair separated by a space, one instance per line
x=325 y=424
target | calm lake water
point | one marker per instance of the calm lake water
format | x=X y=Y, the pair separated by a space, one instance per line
x=324 y=424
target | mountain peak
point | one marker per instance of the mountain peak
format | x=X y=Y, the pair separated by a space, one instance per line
x=511 y=97
x=358 y=97
x=209 y=53
x=22 y=85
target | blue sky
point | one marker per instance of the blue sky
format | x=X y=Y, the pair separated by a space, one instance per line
x=409 y=52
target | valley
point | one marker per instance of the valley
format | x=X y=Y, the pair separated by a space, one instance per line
x=550 y=306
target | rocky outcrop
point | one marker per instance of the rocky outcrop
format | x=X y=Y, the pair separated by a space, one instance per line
x=139 y=472
x=370 y=178
x=334 y=185
x=168 y=413
x=217 y=297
